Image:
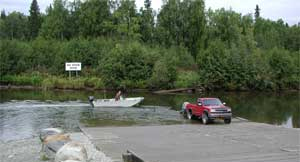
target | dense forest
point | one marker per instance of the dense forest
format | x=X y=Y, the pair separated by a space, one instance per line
x=120 y=46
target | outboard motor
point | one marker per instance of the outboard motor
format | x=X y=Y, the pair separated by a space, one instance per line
x=91 y=99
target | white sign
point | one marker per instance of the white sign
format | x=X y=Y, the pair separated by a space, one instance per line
x=73 y=66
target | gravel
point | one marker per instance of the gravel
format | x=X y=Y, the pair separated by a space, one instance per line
x=29 y=150
x=26 y=150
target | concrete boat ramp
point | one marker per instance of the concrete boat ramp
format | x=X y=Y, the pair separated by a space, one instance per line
x=236 y=142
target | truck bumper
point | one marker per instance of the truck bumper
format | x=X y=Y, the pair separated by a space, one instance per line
x=219 y=115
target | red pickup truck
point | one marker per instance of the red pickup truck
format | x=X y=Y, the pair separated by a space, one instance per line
x=207 y=109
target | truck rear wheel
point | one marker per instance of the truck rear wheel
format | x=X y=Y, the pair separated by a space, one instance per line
x=189 y=114
x=205 y=119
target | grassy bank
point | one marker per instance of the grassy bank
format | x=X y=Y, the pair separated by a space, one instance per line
x=36 y=80
x=47 y=82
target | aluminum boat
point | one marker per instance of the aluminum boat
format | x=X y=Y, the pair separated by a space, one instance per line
x=123 y=102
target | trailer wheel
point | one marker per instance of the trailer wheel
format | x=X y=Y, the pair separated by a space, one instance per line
x=184 y=114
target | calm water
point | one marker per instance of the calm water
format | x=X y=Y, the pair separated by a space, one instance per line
x=24 y=113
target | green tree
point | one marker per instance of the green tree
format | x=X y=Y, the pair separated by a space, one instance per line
x=126 y=66
x=126 y=20
x=110 y=38
x=168 y=24
x=281 y=64
x=293 y=38
x=15 y=26
x=247 y=44
x=193 y=25
x=92 y=18
x=34 y=19
x=2 y=25
x=257 y=12
x=269 y=34
x=147 y=22
x=224 y=25
x=43 y=54
x=164 y=75
x=212 y=65
x=12 y=56
x=182 y=23
x=56 y=21
x=73 y=20
x=3 y=15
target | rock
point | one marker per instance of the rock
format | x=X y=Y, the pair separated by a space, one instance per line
x=71 y=151
x=57 y=137
x=94 y=155
x=51 y=148
x=71 y=161
x=48 y=132
x=53 y=143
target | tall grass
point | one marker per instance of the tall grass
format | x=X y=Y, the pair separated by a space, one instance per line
x=73 y=83
x=22 y=80
x=47 y=82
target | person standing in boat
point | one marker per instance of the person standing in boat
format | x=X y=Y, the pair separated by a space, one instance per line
x=118 y=95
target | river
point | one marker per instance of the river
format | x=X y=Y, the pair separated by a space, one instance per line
x=24 y=112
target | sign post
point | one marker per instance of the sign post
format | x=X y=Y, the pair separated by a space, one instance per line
x=73 y=66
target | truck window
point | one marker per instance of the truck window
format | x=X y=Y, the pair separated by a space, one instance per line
x=211 y=102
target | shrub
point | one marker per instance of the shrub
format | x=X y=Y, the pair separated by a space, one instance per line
x=180 y=57
x=13 y=54
x=163 y=76
x=126 y=64
x=94 y=82
x=281 y=64
x=187 y=79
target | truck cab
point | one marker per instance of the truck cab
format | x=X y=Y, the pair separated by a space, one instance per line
x=207 y=109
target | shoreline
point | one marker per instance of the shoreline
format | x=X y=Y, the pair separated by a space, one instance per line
x=157 y=91
x=30 y=87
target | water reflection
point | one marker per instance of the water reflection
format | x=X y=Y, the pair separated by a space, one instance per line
x=268 y=107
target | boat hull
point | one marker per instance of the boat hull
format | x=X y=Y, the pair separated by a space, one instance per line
x=127 y=102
